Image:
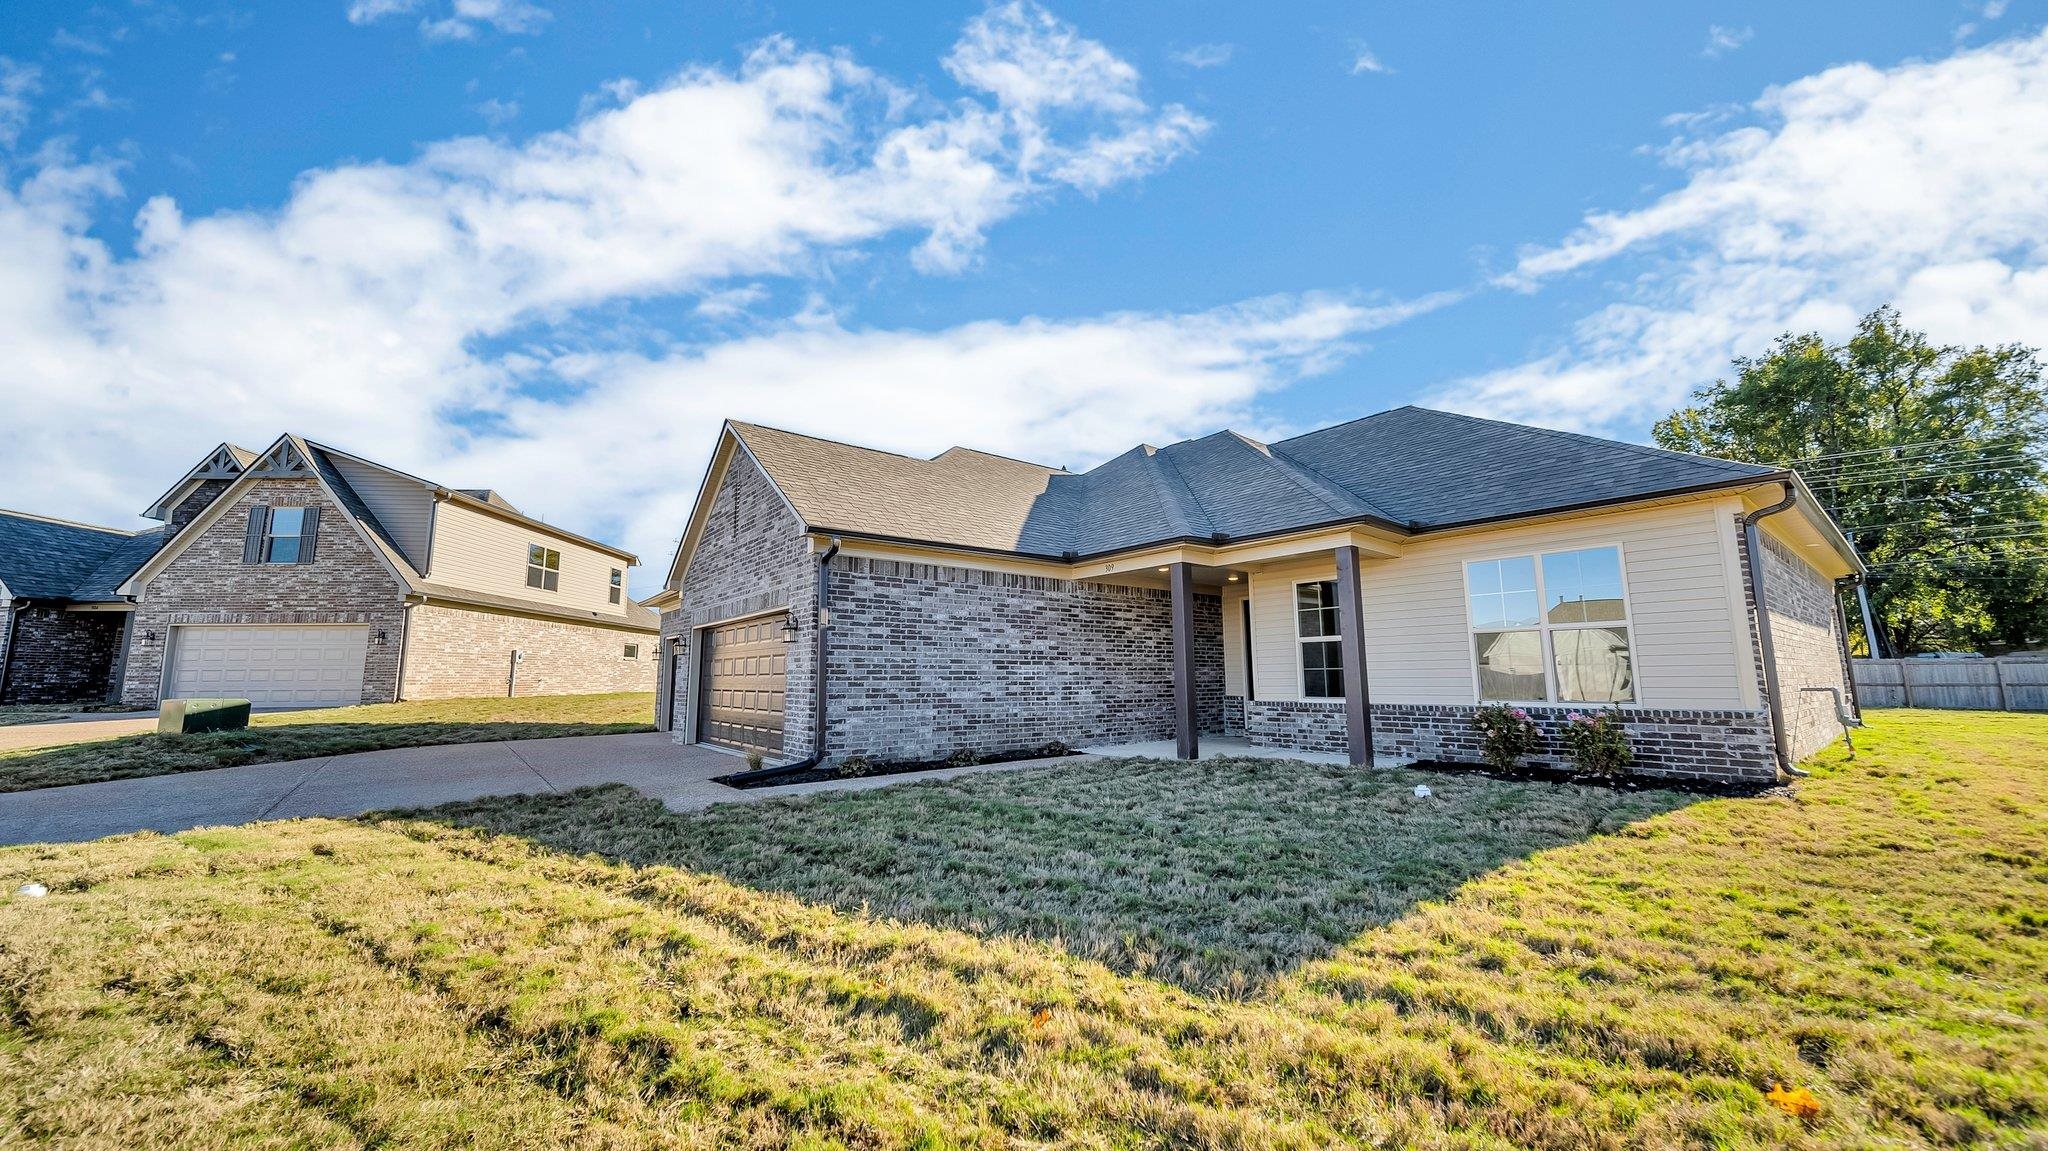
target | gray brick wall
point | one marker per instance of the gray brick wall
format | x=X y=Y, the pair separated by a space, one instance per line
x=1808 y=647
x=59 y=656
x=454 y=652
x=926 y=660
x=1721 y=746
x=196 y=501
x=207 y=583
x=752 y=557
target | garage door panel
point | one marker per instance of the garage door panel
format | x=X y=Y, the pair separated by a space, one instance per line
x=308 y=666
x=744 y=685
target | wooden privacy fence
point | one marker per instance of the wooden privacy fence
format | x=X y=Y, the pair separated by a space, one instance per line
x=2008 y=683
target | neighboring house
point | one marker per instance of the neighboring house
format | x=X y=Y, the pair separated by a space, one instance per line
x=302 y=575
x=1363 y=586
x=61 y=622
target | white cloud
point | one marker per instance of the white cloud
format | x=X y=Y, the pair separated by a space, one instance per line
x=1364 y=61
x=459 y=20
x=498 y=113
x=424 y=311
x=18 y=82
x=1205 y=55
x=1858 y=185
x=1722 y=40
x=1061 y=392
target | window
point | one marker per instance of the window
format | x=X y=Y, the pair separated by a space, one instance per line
x=1322 y=652
x=618 y=584
x=1551 y=628
x=632 y=651
x=543 y=568
x=284 y=536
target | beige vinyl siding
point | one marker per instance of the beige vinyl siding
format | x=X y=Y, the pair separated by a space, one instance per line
x=1276 y=646
x=1233 y=639
x=404 y=506
x=481 y=552
x=1687 y=628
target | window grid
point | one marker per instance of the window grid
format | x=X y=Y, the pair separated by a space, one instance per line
x=543 y=568
x=1497 y=585
x=1316 y=633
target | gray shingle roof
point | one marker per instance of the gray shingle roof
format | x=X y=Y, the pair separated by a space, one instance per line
x=42 y=558
x=1410 y=468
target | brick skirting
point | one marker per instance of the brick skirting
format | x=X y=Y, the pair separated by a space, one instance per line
x=1721 y=746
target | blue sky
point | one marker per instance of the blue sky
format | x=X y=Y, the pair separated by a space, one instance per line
x=544 y=247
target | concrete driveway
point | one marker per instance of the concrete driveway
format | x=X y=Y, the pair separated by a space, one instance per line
x=345 y=785
x=84 y=728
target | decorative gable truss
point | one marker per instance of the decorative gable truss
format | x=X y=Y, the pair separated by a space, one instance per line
x=284 y=460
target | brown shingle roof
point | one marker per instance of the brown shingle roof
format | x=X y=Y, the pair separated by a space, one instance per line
x=962 y=497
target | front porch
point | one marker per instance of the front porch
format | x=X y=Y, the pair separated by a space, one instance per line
x=1298 y=610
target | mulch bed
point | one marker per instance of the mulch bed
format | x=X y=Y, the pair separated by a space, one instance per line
x=748 y=780
x=1536 y=773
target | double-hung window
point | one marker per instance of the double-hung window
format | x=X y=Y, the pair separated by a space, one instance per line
x=618 y=584
x=1322 y=652
x=543 y=568
x=1552 y=627
x=284 y=536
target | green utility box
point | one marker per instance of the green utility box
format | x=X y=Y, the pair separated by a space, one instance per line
x=190 y=716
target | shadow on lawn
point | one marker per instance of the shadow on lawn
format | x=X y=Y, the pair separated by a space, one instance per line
x=1218 y=876
x=134 y=756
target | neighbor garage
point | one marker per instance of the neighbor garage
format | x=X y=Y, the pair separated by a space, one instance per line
x=270 y=666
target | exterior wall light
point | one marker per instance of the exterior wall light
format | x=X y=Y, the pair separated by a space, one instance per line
x=787 y=633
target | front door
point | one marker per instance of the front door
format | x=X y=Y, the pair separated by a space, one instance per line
x=745 y=677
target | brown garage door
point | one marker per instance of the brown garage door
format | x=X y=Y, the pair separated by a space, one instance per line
x=745 y=675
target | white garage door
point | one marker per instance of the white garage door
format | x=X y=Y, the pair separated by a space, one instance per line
x=270 y=666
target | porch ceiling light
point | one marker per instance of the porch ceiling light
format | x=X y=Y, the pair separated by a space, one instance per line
x=1232 y=577
x=1162 y=569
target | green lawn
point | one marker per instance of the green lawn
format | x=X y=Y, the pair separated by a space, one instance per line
x=279 y=736
x=1107 y=955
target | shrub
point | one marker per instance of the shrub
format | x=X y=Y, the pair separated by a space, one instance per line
x=1055 y=749
x=1597 y=744
x=754 y=761
x=855 y=766
x=965 y=757
x=1506 y=734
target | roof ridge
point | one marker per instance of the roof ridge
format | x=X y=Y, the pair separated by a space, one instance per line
x=1586 y=437
x=1174 y=486
x=1321 y=486
x=62 y=522
x=991 y=455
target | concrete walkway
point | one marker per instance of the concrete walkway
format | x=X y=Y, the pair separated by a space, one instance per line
x=651 y=763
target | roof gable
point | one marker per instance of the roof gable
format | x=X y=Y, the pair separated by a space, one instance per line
x=223 y=463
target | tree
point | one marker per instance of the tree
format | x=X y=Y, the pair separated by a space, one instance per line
x=1931 y=458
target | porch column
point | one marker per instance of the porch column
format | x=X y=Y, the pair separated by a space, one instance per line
x=1187 y=737
x=1351 y=629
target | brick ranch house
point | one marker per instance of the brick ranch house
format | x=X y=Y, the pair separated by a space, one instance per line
x=1357 y=589
x=304 y=576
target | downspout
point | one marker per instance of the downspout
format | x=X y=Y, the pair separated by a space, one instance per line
x=1842 y=630
x=823 y=590
x=13 y=638
x=1781 y=739
x=405 y=607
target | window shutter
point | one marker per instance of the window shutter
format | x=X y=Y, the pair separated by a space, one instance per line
x=252 y=543
x=309 y=535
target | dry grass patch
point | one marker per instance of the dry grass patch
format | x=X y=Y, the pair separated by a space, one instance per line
x=276 y=737
x=1875 y=938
